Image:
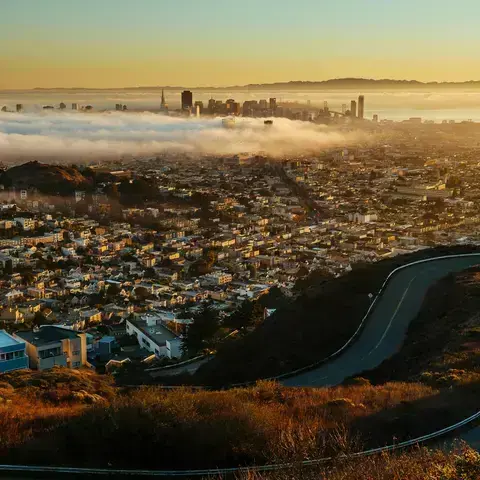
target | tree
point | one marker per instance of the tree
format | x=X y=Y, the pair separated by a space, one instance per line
x=8 y=269
x=113 y=289
x=201 y=331
x=39 y=319
x=142 y=293
x=150 y=273
x=250 y=314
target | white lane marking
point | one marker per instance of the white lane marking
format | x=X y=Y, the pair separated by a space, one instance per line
x=393 y=316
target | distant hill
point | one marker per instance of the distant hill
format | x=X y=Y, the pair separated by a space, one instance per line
x=353 y=82
x=48 y=179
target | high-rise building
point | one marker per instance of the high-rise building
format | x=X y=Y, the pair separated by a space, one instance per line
x=19 y=107
x=263 y=104
x=344 y=108
x=273 y=104
x=361 y=106
x=375 y=118
x=74 y=106
x=353 y=108
x=249 y=108
x=211 y=106
x=197 y=111
x=163 y=103
x=187 y=100
x=118 y=107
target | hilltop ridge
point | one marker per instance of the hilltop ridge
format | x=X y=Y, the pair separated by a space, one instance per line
x=348 y=82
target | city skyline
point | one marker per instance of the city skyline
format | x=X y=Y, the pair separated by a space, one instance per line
x=110 y=44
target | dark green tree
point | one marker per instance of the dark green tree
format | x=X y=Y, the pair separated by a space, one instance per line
x=201 y=331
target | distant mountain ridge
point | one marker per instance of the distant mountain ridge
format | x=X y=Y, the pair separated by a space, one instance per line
x=352 y=82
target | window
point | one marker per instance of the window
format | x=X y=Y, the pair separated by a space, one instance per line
x=75 y=364
x=76 y=352
x=20 y=354
x=50 y=352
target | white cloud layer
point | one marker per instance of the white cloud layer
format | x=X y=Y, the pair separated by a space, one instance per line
x=90 y=135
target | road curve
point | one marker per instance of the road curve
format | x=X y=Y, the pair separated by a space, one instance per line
x=386 y=327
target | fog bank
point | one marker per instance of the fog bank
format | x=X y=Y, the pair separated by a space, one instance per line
x=78 y=134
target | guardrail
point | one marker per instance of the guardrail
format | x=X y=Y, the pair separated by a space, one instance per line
x=175 y=365
x=224 y=471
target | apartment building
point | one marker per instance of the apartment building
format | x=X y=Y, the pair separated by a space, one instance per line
x=12 y=353
x=51 y=346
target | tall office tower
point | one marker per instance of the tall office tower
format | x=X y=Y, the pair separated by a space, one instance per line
x=229 y=105
x=74 y=106
x=273 y=104
x=325 y=106
x=211 y=106
x=361 y=106
x=375 y=118
x=197 y=111
x=353 y=108
x=163 y=103
x=263 y=104
x=344 y=108
x=187 y=100
x=19 y=107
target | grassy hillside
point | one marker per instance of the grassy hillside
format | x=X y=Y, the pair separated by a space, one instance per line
x=312 y=327
x=48 y=418
x=420 y=464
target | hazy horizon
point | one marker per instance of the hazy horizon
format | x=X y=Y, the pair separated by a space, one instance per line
x=398 y=104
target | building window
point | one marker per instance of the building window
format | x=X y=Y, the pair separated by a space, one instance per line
x=50 y=352
x=75 y=364
x=19 y=354
x=76 y=352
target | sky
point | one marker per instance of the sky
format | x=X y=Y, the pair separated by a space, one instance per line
x=118 y=43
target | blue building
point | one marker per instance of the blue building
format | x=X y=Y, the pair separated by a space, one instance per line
x=12 y=353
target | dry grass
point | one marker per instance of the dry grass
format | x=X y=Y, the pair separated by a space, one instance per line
x=267 y=423
x=49 y=417
x=419 y=464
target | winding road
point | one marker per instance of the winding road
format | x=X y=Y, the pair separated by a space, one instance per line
x=385 y=329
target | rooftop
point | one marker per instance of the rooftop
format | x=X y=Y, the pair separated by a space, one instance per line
x=46 y=335
x=6 y=340
x=158 y=333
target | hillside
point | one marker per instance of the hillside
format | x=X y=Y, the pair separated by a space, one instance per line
x=48 y=418
x=315 y=325
x=47 y=178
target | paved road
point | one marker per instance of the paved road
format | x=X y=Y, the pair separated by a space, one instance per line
x=385 y=330
x=188 y=368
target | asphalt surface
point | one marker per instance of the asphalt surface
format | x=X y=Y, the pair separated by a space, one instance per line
x=385 y=329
